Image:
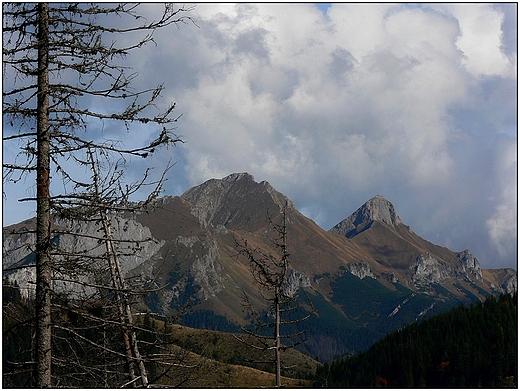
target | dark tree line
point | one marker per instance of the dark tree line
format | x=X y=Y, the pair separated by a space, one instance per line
x=466 y=347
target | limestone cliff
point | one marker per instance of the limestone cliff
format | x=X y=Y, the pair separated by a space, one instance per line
x=134 y=242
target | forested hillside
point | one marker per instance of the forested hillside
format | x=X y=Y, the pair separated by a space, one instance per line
x=473 y=346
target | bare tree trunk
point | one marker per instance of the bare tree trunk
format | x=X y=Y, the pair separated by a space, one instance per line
x=271 y=274
x=125 y=312
x=42 y=42
x=278 y=345
x=43 y=240
x=278 y=296
x=120 y=290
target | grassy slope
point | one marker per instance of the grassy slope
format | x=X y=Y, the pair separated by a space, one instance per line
x=218 y=359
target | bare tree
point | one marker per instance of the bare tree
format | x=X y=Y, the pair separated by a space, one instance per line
x=57 y=59
x=270 y=271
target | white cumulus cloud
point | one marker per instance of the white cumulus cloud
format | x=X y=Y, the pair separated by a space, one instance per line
x=332 y=108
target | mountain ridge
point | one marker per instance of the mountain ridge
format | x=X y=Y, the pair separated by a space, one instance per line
x=357 y=282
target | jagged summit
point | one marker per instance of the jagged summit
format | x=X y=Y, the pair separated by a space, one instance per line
x=237 y=176
x=234 y=201
x=377 y=208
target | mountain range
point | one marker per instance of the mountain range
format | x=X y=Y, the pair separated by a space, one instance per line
x=366 y=276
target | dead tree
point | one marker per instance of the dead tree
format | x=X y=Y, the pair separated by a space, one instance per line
x=100 y=282
x=97 y=339
x=57 y=59
x=135 y=361
x=270 y=270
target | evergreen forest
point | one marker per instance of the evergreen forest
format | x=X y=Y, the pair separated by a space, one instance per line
x=466 y=347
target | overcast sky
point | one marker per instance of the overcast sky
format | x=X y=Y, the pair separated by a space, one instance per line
x=334 y=105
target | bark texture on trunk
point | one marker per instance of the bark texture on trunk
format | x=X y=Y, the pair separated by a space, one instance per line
x=43 y=218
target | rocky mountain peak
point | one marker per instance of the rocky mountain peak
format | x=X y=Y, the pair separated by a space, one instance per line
x=238 y=176
x=380 y=209
x=234 y=201
x=377 y=208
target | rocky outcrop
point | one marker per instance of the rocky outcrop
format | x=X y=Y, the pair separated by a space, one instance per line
x=16 y=247
x=510 y=285
x=294 y=281
x=206 y=272
x=25 y=278
x=390 y=277
x=18 y=258
x=429 y=270
x=399 y=306
x=135 y=242
x=360 y=269
x=203 y=277
x=376 y=209
x=469 y=267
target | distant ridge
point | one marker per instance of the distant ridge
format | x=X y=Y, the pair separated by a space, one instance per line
x=375 y=209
